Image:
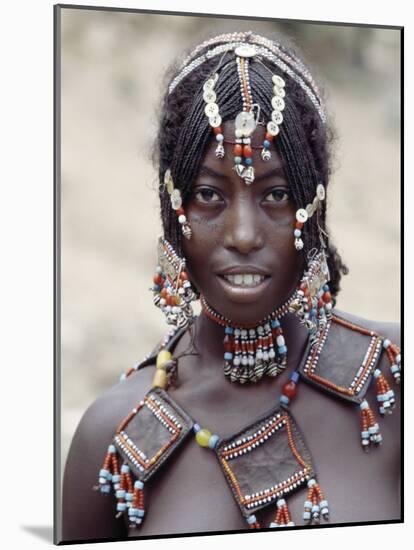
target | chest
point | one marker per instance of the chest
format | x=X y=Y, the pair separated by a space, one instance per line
x=191 y=494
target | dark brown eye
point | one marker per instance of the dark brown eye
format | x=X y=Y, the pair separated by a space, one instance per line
x=277 y=195
x=207 y=195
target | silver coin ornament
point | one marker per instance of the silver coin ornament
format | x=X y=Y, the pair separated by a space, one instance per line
x=278 y=103
x=176 y=200
x=245 y=123
x=272 y=128
x=246 y=50
x=320 y=192
x=301 y=215
x=277 y=117
x=210 y=96
x=215 y=121
x=278 y=81
x=211 y=109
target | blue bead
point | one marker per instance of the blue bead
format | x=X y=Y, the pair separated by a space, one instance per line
x=228 y=330
x=103 y=473
x=196 y=428
x=248 y=161
x=294 y=376
x=275 y=323
x=140 y=513
x=266 y=144
x=138 y=484
x=212 y=442
x=228 y=356
x=297 y=233
x=105 y=488
x=282 y=349
x=237 y=160
x=219 y=137
x=313 y=312
x=121 y=506
x=284 y=399
x=322 y=311
x=326 y=288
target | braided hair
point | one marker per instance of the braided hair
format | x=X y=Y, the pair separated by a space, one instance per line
x=303 y=144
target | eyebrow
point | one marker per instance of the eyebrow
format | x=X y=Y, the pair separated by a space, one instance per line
x=274 y=172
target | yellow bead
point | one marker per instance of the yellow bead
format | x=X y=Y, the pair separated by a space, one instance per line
x=162 y=358
x=160 y=379
x=203 y=437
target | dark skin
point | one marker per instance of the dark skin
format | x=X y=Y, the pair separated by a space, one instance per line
x=235 y=225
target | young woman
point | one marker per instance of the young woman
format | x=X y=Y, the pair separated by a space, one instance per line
x=257 y=412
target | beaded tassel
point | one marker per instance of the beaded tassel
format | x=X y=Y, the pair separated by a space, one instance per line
x=370 y=432
x=316 y=506
x=129 y=495
x=282 y=518
x=394 y=356
x=385 y=395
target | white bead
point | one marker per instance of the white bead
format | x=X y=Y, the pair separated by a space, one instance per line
x=182 y=218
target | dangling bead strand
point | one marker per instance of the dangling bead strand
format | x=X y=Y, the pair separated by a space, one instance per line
x=385 y=395
x=282 y=518
x=394 y=356
x=315 y=505
x=370 y=432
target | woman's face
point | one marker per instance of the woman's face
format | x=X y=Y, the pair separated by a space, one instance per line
x=241 y=255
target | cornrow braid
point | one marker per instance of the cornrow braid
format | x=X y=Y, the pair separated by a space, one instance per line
x=303 y=143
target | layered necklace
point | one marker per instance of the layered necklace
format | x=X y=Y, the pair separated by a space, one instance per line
x=157 y=426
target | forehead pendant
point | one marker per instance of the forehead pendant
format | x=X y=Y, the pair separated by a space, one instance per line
x=247 y=120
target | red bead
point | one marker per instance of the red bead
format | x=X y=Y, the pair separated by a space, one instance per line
x=298 y=225
x=268 y=136
x=327 y=297
x=180 y=211
x=164 y=293
x=247 y=151
x=184 y=276
x=289 y=389
x=237 y=150
x=217 y=130
x=158 y=280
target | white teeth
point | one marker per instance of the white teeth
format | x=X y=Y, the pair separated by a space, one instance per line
x=245 y=279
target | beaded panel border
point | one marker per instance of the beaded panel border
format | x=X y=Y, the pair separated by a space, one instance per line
x=281 y=426
x=356 y=390
x=163 y=411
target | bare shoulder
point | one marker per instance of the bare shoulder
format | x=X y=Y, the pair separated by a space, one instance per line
x=87 y=513
x=389 y=330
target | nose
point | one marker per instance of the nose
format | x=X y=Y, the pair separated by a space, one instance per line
x=243 y=230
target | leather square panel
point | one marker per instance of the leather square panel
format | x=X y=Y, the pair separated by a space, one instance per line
x=345 y=375
x=152 y=433
x=265 y=461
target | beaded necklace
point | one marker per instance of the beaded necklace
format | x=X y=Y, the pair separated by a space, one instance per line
x=275 y=434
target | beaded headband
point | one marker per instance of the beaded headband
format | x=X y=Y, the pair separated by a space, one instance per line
x=245 y=47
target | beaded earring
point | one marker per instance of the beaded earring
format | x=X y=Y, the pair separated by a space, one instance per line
x=177 y=204
x=173 y=292
x=313 y=300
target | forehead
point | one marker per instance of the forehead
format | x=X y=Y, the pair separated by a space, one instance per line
x=225 y=166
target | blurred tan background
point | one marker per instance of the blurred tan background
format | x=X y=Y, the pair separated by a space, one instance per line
x=112 y=73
